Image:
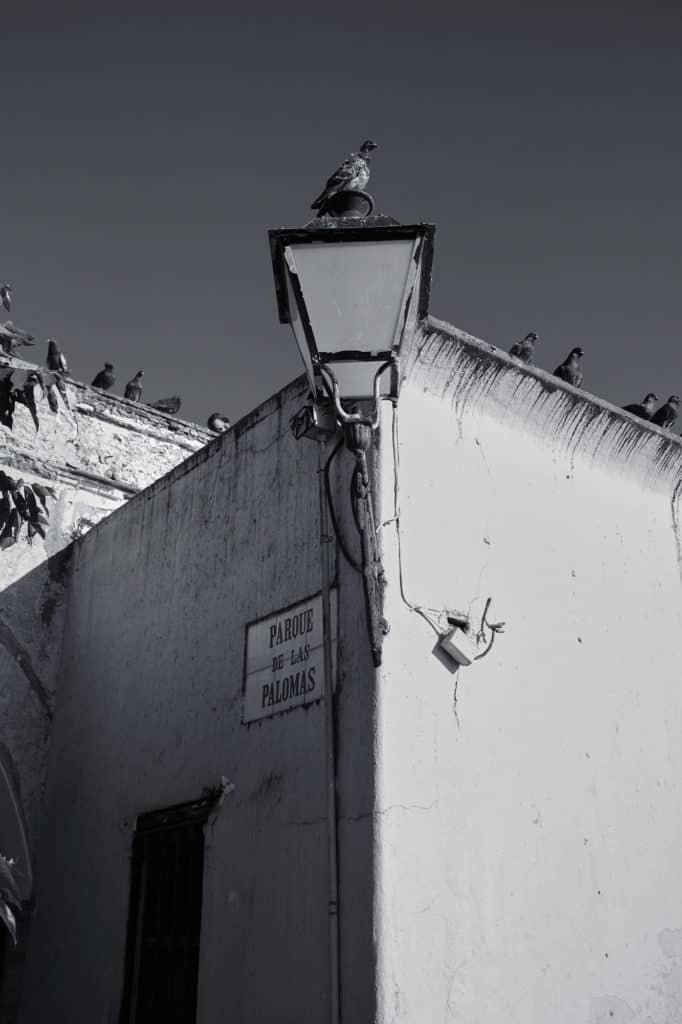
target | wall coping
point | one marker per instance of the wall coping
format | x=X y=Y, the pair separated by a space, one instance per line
x=463 y=370
x=132 y=415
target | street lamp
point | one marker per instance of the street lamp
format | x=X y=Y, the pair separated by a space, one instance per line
x=353 y=287
x=353 y=293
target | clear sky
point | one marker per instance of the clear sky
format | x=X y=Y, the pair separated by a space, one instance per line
x=147 y=148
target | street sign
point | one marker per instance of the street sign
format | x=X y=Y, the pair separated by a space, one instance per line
x=284 y=664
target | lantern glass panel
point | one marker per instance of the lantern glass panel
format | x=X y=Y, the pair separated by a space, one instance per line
x=354 y=292
x=299 y=333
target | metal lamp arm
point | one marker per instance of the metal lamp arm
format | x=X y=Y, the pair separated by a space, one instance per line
x=332 y=387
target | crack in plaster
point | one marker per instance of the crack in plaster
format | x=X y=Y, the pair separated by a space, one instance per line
x=367 y=814
x=23 y=660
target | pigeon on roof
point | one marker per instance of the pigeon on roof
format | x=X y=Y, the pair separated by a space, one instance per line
x=133 y=391
x=168 y=405
x=56 y=360
x=525 y=348
x=12 y=337
x=6 y=296
x=643 y=409
x=570 y=370
x=219 y=423
x=352 y=174
x=105 y=378
x=667 y=414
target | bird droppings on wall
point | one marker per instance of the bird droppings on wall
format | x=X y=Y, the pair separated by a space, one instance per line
x=462 y=370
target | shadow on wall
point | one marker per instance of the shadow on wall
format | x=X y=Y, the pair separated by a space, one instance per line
x=32 y=611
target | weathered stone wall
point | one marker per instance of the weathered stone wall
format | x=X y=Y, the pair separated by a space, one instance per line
x=94 y=455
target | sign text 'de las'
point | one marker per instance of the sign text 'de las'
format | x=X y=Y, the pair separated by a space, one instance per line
x=285 y=659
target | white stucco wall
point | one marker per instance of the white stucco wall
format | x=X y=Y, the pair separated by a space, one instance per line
x=149 y=713
x=509 y=858
x=528 y=844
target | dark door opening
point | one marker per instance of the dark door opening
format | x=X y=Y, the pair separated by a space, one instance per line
x=164 y=917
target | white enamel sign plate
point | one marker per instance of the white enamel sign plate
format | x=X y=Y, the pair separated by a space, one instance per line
x=284 y=665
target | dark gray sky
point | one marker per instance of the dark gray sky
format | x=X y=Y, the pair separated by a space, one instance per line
x=146 y=149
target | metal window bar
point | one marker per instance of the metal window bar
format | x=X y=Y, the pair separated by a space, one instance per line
x=164 y=919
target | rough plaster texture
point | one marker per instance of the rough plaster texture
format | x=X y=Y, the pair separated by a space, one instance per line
x=511 y=856
x=530 y=872
x=149 y=713
x=95 y=455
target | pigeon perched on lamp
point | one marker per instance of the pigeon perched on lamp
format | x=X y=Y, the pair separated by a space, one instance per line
x=667 y=414
x=105 y=378
x=524 y=349
x=133 y=391
x=351 y=176
x=571 y=370
x=643 y=409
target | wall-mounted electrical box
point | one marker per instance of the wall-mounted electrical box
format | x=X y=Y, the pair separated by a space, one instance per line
x=459 y=645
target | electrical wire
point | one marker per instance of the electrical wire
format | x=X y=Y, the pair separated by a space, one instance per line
x=494 y=627
x=419 y=609
x=435 y=618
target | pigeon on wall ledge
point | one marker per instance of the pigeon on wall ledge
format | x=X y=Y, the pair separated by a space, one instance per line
x=56 y=360
x=168 y=405
x=525 y=349
x=571 y=370
x=667 y=414
x=643 y=409
x=219 y=423
x=133 y=391
x=105 y=378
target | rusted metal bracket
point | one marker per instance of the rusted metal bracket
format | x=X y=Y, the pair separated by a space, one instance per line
x=358 y=440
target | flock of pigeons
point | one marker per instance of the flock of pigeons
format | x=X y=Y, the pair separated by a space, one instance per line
x=13 y=338
x=571 y=371
x=353 y=176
